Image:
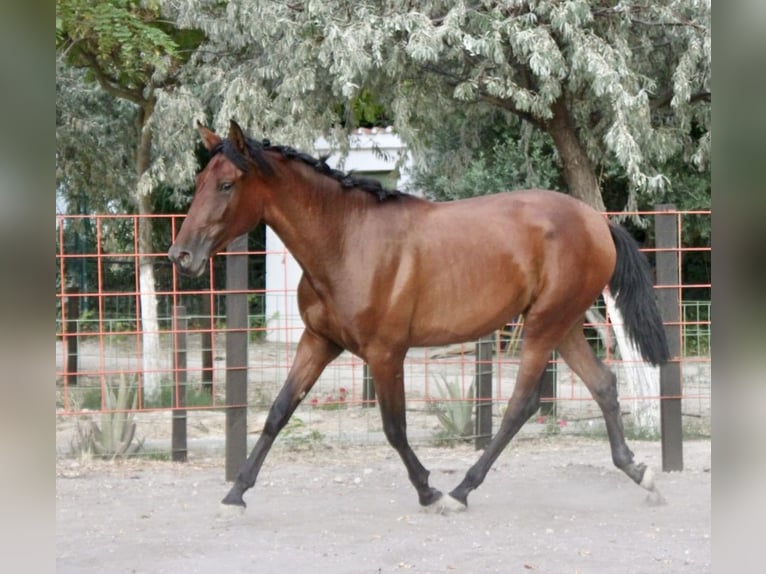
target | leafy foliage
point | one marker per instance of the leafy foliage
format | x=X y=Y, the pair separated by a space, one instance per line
x=120 y=38
x=95 y=142
x=508 y=157
x=629 y=83
x=112 y=56
x=626 y=83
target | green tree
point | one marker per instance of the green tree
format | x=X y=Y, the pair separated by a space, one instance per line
x=506 y=157
x=620 y=84
x=127 y=50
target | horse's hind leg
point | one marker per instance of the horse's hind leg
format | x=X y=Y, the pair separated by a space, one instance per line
x=388 y=375
x=311 y=357
x=602 y=384
x=524 y=402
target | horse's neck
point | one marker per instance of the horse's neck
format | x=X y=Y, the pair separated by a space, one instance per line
x=310 y=222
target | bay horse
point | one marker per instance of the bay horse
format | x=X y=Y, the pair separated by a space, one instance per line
x=384 y=271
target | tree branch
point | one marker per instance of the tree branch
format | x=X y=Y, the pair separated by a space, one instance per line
x=439 y=20
x=453 y=80
x=109 y=84
x=704 y=96
x=611 y=12
x=511 y=107
x=63 y=53
x=667 y=97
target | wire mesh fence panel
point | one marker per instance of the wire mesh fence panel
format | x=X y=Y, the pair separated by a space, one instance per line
x=100 y=345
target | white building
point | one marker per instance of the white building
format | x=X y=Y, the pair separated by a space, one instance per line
x=374 y=153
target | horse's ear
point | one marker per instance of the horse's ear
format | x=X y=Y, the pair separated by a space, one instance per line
x=237 y=137
x=209 y=138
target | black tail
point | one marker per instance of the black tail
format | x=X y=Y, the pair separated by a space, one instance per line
x=631 y=286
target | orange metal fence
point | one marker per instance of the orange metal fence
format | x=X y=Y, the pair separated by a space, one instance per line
x=100 y=339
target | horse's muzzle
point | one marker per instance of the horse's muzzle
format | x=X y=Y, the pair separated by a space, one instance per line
x=186 y=262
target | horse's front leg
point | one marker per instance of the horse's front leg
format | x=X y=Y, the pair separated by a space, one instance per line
x=388 y=375
x=311 y=357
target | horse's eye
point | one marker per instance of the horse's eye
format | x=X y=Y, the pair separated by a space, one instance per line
x=226 y=186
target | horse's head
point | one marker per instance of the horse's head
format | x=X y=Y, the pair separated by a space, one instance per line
x=222 y=209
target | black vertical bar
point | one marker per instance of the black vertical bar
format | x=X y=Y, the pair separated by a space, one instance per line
x=483 y=386
x=71 y=328
x=548 y=388
x=368 y=388
x=668 y=298
x=207 y=344
x=179 y=445
x=236 y=357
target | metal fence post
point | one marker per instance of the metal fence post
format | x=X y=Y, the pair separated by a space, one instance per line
x=236 y=357
x=71 y=326
x=548 y=388
x=179 y=451
x=483 y=389
x=207 y=343
x=368 y=387
x=668 y=298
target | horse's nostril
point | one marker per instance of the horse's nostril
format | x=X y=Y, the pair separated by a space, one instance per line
x=180 y=257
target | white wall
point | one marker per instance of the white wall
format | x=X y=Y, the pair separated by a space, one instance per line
x=372 y=150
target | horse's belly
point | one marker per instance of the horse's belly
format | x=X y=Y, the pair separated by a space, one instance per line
x=466 y=319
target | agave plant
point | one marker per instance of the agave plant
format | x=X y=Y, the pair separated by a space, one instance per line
x=118 y=428
x=455 y=413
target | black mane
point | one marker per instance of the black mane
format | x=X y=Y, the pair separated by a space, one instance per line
x=257 y=158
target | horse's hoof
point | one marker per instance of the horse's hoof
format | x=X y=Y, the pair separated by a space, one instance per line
x=430 y=497
x=445 y=505
x=229 y=511
x=234 y=499
x=433 y=507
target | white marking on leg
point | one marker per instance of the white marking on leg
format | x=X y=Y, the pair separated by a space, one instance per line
x=647 y=481
x=454 y=505
x=654 y=498
x=445 y=505
x=436 y=507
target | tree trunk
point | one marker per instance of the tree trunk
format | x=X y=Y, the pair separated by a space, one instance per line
x=643 y=379
x=150 y=332
x=578 y=170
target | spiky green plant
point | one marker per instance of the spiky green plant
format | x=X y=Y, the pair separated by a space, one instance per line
x=297 y=436
x=455 y=412
x=114 y=438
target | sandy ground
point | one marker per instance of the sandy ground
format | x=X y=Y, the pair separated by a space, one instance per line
x=549 y=505
x=341 y=502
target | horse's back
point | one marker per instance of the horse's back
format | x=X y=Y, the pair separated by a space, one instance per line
x=528 y=223
x=530 y=208
x=481 y=261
